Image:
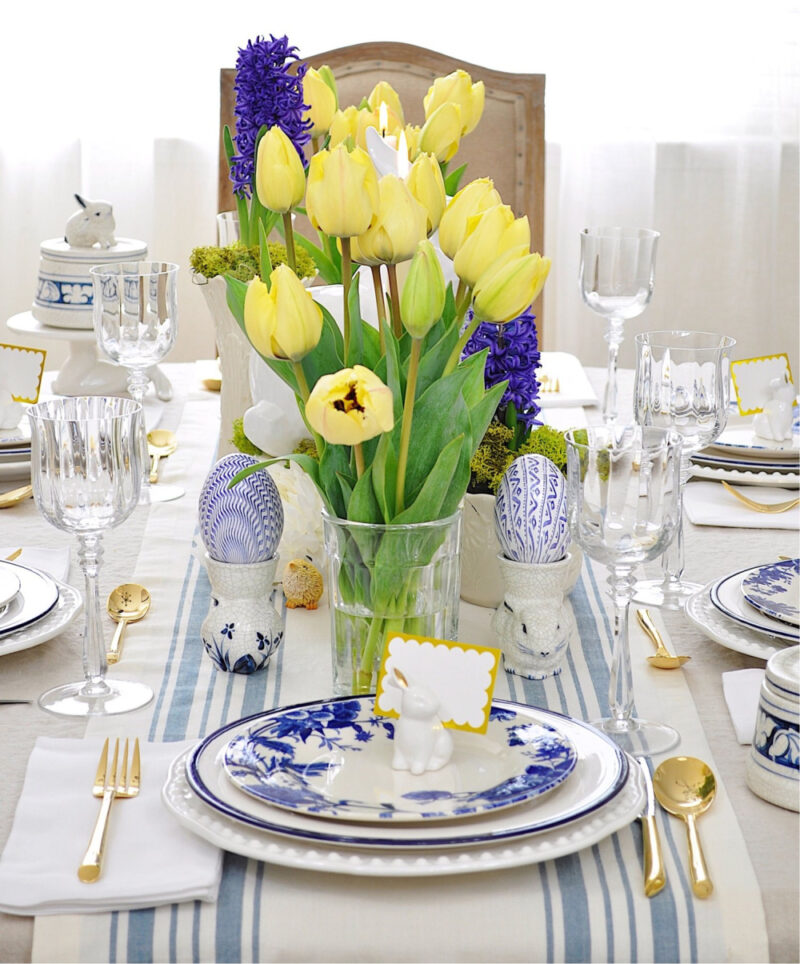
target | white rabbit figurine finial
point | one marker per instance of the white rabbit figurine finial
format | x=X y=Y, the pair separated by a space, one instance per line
x=94 y=223
x=775 y=421
x=421 y=741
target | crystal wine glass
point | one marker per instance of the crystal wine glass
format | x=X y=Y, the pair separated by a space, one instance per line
x=683 y=382
x=622 y=489
x=135 y=323
x=86 y=468
x=617 y=275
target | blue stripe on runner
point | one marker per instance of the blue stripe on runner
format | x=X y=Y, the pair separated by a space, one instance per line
x=548 y=912
x=113 y=932
x=173 y=932
x=577 y=921
x=686 y=890
x=588 y=630
x=626 y=886
x=196 y=931
x=140 y=935
x=177 y=720
x=254 y=952
x=606 y=903
x=574 y=672
x=229 y=935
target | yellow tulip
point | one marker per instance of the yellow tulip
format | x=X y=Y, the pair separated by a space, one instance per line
x=427 y=185
x=384 y=93
x=474 y=198
x=321 y=101
x=441 y=133
x=509 y=285
x=283 y=321
x=342 y=195
x=352 y=123
x=422 y=300
x=280 y=178
x=489 y=235
x=350 y=406
x=412 y=133
x=398 y=230
x=457 y=88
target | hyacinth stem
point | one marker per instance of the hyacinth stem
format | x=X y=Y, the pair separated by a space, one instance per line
x=347 y=271
x=394 y=294
x=359 y=454
x=302 y=384
x=459 y=346
x=380 y=303
x=288 y=231
x=315 y=144
x=408 y=415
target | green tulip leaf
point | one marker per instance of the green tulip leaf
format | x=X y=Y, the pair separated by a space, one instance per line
x=325 y=267
x=363 y=505
x=428 y=503
x=384 y=475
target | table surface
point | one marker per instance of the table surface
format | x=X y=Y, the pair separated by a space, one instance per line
x=770 y=833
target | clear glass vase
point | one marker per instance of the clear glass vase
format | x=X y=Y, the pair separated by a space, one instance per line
x=388 y=578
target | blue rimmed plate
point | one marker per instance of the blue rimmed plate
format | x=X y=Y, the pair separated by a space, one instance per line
x=775 y=590
x=726 y=595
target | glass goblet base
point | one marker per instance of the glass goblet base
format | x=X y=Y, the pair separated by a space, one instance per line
x=104 y=698
x=639 y=737
x=665 y=593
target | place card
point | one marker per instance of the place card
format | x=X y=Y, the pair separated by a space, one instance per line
x=461 y=675
x=752 y=378
x=21 y=371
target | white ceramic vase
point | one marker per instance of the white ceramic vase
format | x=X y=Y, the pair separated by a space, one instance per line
x=481 y=580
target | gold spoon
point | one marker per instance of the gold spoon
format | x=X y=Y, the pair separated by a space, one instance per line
x=685 y=787
x=126 y=604
x=161 y=443
x=761 y=506
x=663 y=658
x=13 y=496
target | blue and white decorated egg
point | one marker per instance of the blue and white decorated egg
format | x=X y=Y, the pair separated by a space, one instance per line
x=530 y=512
x=241 y=524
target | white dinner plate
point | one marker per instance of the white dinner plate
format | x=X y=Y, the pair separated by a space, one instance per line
x=15 y=437
x=600 y=773
x=37 y=595
x=713 y=624
x=786 y=480
x=775 y=590
x=15 y=453
x=9 y=585
x=14 y=471
x=746 y=464
x=574 y=388
x=726 y=595
x=56 y=621
x=336 y=858
x=740 y=439
x=333 y=759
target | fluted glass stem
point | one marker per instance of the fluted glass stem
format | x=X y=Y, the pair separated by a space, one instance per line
x=673 y=560
x=138 y=383
x=90 y=555
x=620 y=684
x=614 y=336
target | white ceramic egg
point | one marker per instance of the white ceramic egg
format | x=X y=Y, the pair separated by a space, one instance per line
x=530 y=511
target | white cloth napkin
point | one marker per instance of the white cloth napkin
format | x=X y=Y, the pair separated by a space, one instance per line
x=55 y=562
x=150 y=858
x=708 y=504
x=741 y=688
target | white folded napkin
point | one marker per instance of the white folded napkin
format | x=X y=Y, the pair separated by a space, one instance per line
x=708 y=504
x=150 y=859
x=55 y=562
x=741 y=688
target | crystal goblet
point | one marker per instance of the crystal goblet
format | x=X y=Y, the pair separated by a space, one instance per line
x=86 y=468
x=622 y=486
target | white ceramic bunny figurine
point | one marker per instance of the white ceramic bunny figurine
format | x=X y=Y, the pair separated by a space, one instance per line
x=94 y=222
x=775 y=422
x=421 y=741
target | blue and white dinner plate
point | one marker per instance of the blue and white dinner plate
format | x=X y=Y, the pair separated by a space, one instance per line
x=601 y=772
x=774 y=589
x=726 y=595
x=334 y=759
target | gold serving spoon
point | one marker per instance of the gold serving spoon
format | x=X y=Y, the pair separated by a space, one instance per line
x=127 y=603
x=761 y=506
x=663 y=658
x=161 y=443
x=685 y=787
x=13 y=496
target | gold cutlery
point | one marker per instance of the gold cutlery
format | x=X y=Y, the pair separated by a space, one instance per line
x=161 y=443
x=14 y=496
x=685 y=787
x=549 y=384
x=127 y=603
x=655 y=875
x=761 y=506
x=663 y=658
x=14 y=555
x=107 y=787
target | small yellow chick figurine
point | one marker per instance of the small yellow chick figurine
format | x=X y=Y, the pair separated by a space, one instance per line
x=302 y=584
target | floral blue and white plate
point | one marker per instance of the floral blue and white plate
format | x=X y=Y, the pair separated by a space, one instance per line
x=333 y=759
x=775 y=590
x=726 y=595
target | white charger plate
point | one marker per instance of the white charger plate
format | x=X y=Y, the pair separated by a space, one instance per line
x=9 y=585
x=774 y=589
x=36 y=596
x=726 y=595
x=716 y=626
x=56 y=621
x=259 y=844
x=14 y=471
x=740 y=439
x=785 y=480
x=600 y=773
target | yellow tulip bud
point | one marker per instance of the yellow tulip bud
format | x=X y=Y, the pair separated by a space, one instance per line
x=280 y=178
x=474 y=198
x=426 y=183
x=400 y=226
x=422 y=299
x=344 y=124
x=509 y=285
x=321 y=101
x=489 y=235
x=441 y=134
x=283 y=321
x=412 y=141
x=342 y=195
x=350 y=406
x=457 y=88
x=384 y=93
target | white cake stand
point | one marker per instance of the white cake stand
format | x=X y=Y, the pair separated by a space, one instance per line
x=83 y=373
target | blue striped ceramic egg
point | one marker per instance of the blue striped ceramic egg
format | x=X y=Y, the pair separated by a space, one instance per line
x=530 y=512
x=243 y=524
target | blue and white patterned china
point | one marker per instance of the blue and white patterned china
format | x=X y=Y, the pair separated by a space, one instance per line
x=334 y=759
x=775 y=590
x=732 y=635
x=742 y=440
x=242 y=524
x=600 y=774
x=726 y=595
x=530 y=511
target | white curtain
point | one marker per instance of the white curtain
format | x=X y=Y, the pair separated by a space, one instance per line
x=679 y=115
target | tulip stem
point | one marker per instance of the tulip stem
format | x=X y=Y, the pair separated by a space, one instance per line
x=408 y=415
x=380 y=303
x=347 y=271
x=288 y=232
x=455 y=355
x=302 y=384
x=394 y=294
x=359 y=454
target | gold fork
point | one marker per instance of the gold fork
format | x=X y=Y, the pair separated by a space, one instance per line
x=549 y=385
x=106 y=786
x=12 y=497
x=762 y=506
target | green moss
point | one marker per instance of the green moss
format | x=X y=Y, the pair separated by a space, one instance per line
x=242 y=442
x=307 y=447
x=243 y=262
x=494 y=455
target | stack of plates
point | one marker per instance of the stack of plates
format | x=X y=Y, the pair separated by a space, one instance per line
x=33 y=607
x=15 y=452
x=312 y=786
x=739 y=455
x=754 y=611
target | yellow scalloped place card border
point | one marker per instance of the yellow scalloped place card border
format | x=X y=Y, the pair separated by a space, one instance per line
x=428 y=659
x=740 y=363
x=17 y=397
